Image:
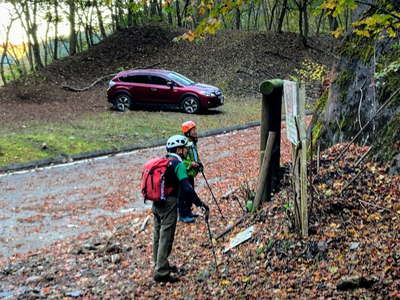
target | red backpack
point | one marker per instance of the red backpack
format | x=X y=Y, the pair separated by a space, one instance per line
x=153 y=179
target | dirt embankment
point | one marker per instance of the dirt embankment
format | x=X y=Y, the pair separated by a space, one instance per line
x=236 y=61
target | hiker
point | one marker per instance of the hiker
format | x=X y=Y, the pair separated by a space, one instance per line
x=165 y=212
x=193 y=167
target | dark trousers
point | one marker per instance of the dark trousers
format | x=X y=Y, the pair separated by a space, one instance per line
x=185 y=205
x=165 y=215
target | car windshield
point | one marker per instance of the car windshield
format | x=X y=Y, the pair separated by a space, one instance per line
x=180 y=79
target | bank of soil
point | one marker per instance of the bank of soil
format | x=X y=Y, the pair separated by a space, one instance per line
x=236 y=61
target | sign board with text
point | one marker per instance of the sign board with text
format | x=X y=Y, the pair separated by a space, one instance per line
x=291 y=99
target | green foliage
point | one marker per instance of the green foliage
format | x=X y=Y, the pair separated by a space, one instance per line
x=287 y=206
x=392 y=68
x=388 y=137
x=310 y=71
x=381 y=21
x=358 y=47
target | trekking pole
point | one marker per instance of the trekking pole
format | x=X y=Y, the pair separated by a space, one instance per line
x=211 y=241
x=212 y=194
x=237 y=200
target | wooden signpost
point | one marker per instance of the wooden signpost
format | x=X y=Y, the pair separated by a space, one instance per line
x=294 y=98
x=274 y=92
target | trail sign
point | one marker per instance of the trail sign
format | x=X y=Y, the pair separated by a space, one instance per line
x=291 y=98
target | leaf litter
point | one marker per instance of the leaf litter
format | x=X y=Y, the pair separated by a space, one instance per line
x=353 y=249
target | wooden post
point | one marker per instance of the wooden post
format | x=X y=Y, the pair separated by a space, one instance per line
x=262 y=185
x=296 y=184
x=272 y=98
x=303 y=164
x=271 y=112
x=264 y=126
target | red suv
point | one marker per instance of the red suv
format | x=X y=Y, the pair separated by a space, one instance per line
x=160 y=87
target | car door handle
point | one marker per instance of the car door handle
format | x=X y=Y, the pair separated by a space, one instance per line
x=153 y=89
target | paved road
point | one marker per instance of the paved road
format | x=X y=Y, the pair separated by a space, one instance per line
x=40 y=206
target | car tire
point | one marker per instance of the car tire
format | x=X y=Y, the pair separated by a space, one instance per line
x=122 y=102
x=190 y=104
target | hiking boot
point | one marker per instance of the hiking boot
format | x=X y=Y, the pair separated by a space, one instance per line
x=186 y=219
x=173 y=269
x=166 y=278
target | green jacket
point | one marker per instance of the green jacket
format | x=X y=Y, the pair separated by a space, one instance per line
x=192 y=156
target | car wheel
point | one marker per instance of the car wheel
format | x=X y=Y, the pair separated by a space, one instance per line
x=122 y=102
x=190 y=105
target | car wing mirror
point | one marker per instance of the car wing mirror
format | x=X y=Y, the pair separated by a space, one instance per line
x=170 y=84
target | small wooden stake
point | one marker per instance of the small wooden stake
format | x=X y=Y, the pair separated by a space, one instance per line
x=262 y=179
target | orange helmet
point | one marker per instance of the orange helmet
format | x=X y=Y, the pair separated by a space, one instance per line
x=186 y=126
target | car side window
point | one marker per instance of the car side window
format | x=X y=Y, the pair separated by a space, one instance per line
x=136 y=78
x=158 y=80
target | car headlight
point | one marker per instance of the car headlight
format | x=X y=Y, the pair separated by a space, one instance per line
x=207 y=93
x=111 y=84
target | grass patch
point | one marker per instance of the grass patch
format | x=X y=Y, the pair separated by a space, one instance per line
x=110 y=129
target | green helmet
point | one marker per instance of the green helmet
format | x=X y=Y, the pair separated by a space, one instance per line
x=176 y=141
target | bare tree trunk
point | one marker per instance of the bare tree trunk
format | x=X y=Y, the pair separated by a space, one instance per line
x=271 y=19
x=55 y=53
x=265 y=13
x=251 y=6
x=36 y=45
x=306 y=23
x=153 y=8
x=282 y=17
x=196 y=15
x=72 y=31
x=120 y=15
x=159 y=10
x=46 y=39
x=28 y=45
x=131 y=20
x=30 y=27
x=333 y=23
x=237 y=19
x=184 y=13
x=5 y=50
x=256 y=16
x=11 y=69
x=19 y=63
x=87 y=35
x=50 y=50
x=303 y=21
x=65 y=46
x=318 y=23
x=113 y=18
x=100 y=20
x=91 y=27
x=79 y=42
x=170 y=21
x=146 y=10
x=178 y=13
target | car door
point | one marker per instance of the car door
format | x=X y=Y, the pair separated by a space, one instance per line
x=160 y=91
x=139 y=87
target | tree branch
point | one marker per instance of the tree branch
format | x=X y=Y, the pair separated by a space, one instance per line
x=73 y=89
x=366 y=125
x=378 y=8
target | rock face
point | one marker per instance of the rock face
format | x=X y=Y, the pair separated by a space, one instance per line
x=356 y=96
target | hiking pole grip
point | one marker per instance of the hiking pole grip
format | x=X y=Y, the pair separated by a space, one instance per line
x=212 y=194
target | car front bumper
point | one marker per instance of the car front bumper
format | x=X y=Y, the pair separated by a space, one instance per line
x=211 y=102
